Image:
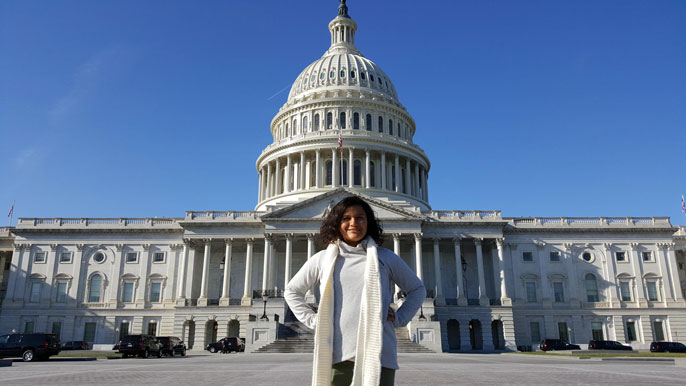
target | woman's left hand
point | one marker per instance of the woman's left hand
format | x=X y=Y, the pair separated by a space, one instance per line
x=391 y=315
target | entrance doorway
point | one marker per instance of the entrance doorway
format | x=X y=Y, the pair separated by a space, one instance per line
x=211 y=328
x=475 y=335
x=453 y=335
x=234 y=328
x=189 y=333
x=498 y=336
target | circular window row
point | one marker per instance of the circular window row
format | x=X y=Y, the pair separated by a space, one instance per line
x=310 y=80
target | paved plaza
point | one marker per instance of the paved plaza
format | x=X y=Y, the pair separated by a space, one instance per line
x=294 y=369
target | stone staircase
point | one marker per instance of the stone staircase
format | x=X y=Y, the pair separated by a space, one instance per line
x=296 y=338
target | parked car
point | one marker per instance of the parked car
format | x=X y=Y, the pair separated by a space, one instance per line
x=667 y=347
x=172 y=345
x=607 y=345
x=29 y=347
x=141 y=345
x=557 y=344
x=75 y=345
x=226 y=345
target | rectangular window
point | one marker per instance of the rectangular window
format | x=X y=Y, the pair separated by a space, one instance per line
x=647 y=256
x=39 y=257
x=155 y=292
x=35 y=292
x=28 y=328
x=527 y=256
x=631 y=331
x=65 y=257
x=597 y=331
x=61 y=292
x=531 y=292
x=559 y=291
x=554 y=256
x=57 y=329
x=152 y=328
x=127 y=294
x=131 y=257
x=620 y=256
x=89 y=332
x=535 y=328
x=123 y=329
x=563 y=332
x=658 y=331
x=652 y=291
x=158 y=257
x=625 y=291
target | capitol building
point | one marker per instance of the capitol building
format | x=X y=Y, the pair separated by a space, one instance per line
x=494 y=283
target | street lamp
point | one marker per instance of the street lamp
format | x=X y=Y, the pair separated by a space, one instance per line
x=265 y=297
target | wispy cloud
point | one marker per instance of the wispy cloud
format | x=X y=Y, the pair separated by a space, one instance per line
x=279 y=92
x=25 y=158
x=87 y=77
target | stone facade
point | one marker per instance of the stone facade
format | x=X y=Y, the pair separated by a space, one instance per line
x=495 y=283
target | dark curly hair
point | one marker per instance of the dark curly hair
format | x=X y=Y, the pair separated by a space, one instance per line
x=330 y=230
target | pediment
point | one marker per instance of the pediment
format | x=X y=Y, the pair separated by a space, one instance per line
x=317 y=207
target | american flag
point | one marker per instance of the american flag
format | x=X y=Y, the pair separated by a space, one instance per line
x=683 y=205
x=340 y=141
x=11 y=210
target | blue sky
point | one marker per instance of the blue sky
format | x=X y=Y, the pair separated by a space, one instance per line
x=151 y=108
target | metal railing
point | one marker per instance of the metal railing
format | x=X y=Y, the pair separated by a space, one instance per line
x=595 y=221
x=271 y=293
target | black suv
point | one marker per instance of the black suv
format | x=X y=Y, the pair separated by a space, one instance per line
x=557 y=344
x=607 y=345
x=75 y=345
x=29 y=347
x=172 y=345
x=667 y=347
x=141 y=345
x=226 y=345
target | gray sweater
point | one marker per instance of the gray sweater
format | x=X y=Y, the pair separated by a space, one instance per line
x=348 y=282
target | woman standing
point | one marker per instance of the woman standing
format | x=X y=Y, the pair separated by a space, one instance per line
x=355 y=340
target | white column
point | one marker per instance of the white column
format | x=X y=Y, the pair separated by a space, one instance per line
x=287 y=176
x=308 y=175
x=247 y=288
x=426 y=186
x=408 y=178
x=416 y=179
x=310 y=245
x=289 y=257
x=351 y=168
x=265 y=262
x=205 y=271
x=279 y=185
x=260 y=186
x=268 y=188
x=418 y=255
x=15 y=270
x=182 y=271
x=641 y=297
x=227 y=273
x=318 y=169
x=334 y=167
x=504 y=296
x=397 y=174
x=383 y=171
x=461 y=300
x=573 y=279
x=673 y=272
x=367 y=170
x=664 y=261
x=545 y=284
x=396 y=244
x=301 y=168
x=612 y=288
x=483 y=299
x=437 y=269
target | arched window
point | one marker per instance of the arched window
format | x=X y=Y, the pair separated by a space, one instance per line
x=296 y=128
x=305 y=122
x=368 y=122
x=316 y=122
x=371 y=171
x=591 y=288
x=329 y=121
x=357 y=172
x=329 y=173
x=390 y=126
x=341 y=121
x=356 y=121
x=363 y=76
x=95 y=289
x=380 y=124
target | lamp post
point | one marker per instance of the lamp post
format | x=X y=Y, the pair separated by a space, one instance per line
x=265 y=297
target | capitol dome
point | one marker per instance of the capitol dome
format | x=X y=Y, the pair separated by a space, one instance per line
x=343 y=126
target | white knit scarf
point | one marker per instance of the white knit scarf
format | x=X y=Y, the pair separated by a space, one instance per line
x=370 y=330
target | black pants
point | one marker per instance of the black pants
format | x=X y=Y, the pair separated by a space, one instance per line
x=342 y=374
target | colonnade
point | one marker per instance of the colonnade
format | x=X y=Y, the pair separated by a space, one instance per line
x=364 y=168
x=269 y=253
